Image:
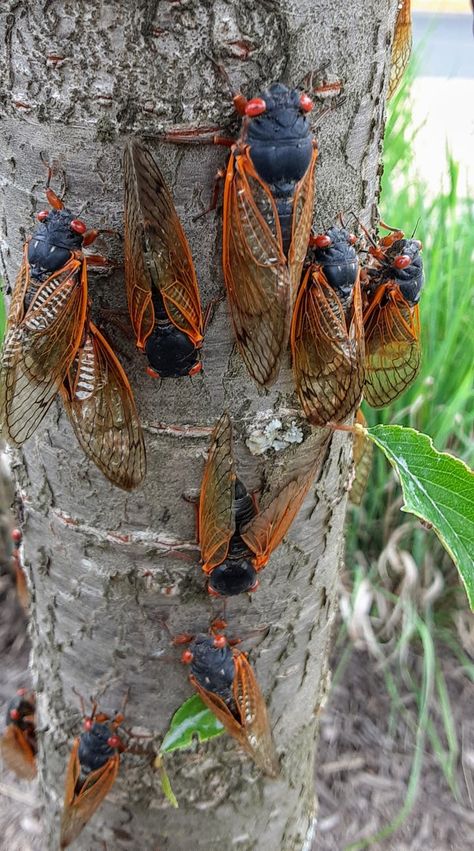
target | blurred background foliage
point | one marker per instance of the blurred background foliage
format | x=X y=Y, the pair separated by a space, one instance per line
x=400 y=597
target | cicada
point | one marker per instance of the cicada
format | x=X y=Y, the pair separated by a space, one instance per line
x=92 y=770
x=162 y=288
x=327 y=340
x=401 y=47
x=52 y=346
x=268 y=210
x=45 y=320
x=391 y=290
x=236 y=539
x=18 y=743
x=99 y=402
x=224 y=679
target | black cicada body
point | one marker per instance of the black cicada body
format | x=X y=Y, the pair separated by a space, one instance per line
x=268 y=209
x=236 y=539
x=327 y=343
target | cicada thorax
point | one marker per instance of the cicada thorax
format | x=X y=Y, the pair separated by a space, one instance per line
x=56 y=236
x=212 y=665
x=170 y=352
x=335 y=253
x=281 y=149
x=94 y=750
x=237 y=573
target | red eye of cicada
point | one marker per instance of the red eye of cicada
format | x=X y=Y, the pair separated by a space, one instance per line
x=77 y=226
x=255 y=107
x=113 y=742
x=352 y=238
x=402 y=261
x=220 y=641
x=15 y=714
x=42 y=216
x=322 y=241
x=306 y=103
x=88 y=724
x=186 y=657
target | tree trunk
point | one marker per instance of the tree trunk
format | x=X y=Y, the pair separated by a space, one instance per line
x=106 y=568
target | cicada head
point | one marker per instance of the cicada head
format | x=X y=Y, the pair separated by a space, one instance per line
x=212 y=664
x=334 y=251
x=406 y=268
x=279 y=134
x=57 y=234
x=232 y=577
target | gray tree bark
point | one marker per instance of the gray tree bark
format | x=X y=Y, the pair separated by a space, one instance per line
x=107 y=567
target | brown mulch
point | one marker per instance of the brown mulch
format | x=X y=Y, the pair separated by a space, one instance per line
x=363 y=769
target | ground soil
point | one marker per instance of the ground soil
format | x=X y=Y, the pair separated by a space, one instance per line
x=362 y=770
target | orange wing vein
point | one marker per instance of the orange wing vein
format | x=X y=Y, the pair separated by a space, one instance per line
x=303 y=204
x=100 y=405
x=216 y=503
x=39 y=347
x=401 y=48
x=157 y=253
x=392 y=348
x=265 y=532
x=255 y=270
x=327 y=350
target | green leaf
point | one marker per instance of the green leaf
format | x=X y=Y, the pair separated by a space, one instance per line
x=165 y=781
x=438 y=488
x=193 y=718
